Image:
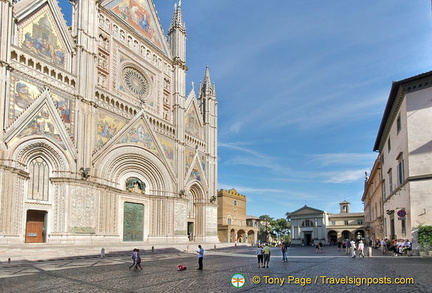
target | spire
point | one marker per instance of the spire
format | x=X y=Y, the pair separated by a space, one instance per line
x=177 y=20
x=207 y=88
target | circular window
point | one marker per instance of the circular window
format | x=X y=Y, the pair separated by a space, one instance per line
x=134 y=81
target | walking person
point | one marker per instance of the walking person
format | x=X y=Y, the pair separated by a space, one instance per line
x=134 y=258
x=361 y=249
x=200 y=252
x=260 y=256
x=138 y=261
x=384 y=245
x=353 y=248
x=283 y=250
x=267 y=252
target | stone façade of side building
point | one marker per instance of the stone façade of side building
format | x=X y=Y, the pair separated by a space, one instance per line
x=310 y=225
x=233 y=223
x=100 y=141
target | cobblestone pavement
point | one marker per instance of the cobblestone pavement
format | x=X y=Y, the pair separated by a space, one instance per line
x=306 y=271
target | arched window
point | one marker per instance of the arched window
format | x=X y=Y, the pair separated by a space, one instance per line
x=307 y=223
x=229 y=220
x=38 y=188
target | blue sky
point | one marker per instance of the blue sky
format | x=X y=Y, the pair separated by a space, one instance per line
x=302 y=87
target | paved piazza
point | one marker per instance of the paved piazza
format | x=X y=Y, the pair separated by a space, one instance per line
x=306 y=271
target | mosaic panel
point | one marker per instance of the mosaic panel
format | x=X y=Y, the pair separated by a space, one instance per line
x=24 y=93
x=137 y=14
x=40 y=37
x=192 y=126
x=42 y=124
x=141 y=136
x=107 y=127
x=168 y=149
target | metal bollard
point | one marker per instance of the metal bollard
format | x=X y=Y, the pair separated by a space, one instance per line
x=214 y=248
x=152 y=249
x=9 y=260
x=103 y=252
x=370 y=251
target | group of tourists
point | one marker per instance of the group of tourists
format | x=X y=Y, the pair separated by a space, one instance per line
x=396 y=246
x=136 y=258
x=352 y=247
x=263 y=255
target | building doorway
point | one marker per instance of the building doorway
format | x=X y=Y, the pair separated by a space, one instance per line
x=133 y=222
x=190 y=231
x=35 y=226
x=307 y=238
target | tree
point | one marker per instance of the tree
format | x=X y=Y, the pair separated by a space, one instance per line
x=265 y=226
x=281 y=229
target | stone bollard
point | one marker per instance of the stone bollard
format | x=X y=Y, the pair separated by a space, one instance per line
x=214 y=247
x=103 y=252
x=9 y=260
x=370 y=251
x=235 y=245
x=152 y=249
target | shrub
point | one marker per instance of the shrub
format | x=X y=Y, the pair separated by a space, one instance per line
x=425 y=237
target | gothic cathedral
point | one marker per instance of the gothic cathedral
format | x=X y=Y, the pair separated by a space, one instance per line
x=100 y=141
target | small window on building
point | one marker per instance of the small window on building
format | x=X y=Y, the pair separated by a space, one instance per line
x=229 y=221
x=235 y=203
x=388 y=145
x=400 y=170
x=346 y=222
x=398 y=124
x=359 y=222
x=390 y=178
x=333 y=223
x=403 y=226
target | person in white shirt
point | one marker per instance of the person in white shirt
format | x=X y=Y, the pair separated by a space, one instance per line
x=361 y=248
x=353 y=248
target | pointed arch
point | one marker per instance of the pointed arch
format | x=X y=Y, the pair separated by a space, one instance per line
x=42 y=147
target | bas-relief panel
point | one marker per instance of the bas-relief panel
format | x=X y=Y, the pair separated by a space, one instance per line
x=137 y=14
x=24 y=93
x=107 y=127
x=168 y=149
x=41 y=38
x=42 y=124
x=82 y=212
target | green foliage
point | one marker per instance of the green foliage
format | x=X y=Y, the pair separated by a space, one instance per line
x=425 y=236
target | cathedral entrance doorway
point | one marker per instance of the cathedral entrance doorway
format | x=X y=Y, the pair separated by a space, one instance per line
x=133 y=222
x=35 y=226
x=190 y=231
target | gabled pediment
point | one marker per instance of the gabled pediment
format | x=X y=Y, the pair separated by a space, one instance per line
x=193 y=120
x=41 y=119
x=196 y=172
x=306 y=211
x=138 y=132
x=141 y=16
x=42 y=31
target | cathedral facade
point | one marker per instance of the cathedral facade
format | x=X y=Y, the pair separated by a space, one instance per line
x=100 y=141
